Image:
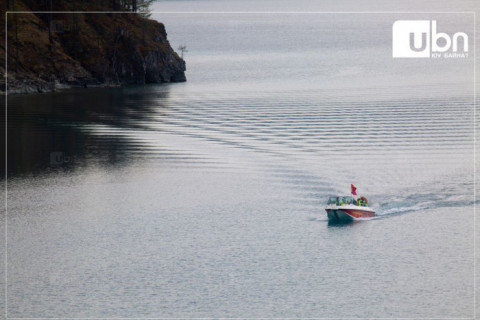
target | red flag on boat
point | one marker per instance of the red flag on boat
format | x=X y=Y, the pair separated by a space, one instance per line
x=353 y=189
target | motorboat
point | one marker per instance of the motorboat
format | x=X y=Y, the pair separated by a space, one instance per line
x=347 y=209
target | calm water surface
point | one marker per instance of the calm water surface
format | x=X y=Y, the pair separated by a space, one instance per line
x=205 y=198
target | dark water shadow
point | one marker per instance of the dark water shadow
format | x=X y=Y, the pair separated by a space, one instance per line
x=77 y=127
x=342 y=223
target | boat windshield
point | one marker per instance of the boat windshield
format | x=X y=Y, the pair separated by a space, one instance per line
x=341 y=200
x=349 y=200
x=332 y=200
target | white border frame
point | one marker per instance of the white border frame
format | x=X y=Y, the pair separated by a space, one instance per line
x=256 y=13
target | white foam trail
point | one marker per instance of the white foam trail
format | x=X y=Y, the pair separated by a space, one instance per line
x=399 y=210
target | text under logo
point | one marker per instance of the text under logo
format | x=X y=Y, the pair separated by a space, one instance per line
x=420 y=39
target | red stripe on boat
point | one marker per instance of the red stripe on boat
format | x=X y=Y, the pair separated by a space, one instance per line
x=358 y=213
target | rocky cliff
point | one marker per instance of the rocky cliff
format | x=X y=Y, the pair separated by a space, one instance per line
x=47 y=51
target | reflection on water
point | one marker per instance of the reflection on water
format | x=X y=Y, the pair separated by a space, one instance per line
x=62 y=130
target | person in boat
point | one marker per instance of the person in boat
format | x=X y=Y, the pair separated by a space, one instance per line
x=362 y=201
x=340 y=201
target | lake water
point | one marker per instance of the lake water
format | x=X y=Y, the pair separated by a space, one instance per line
x=206 y=199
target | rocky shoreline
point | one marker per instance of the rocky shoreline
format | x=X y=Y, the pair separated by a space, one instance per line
x=85 y=50
x=32 y=86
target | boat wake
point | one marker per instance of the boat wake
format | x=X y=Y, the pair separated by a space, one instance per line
x=422 y=202
x=388 y=211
